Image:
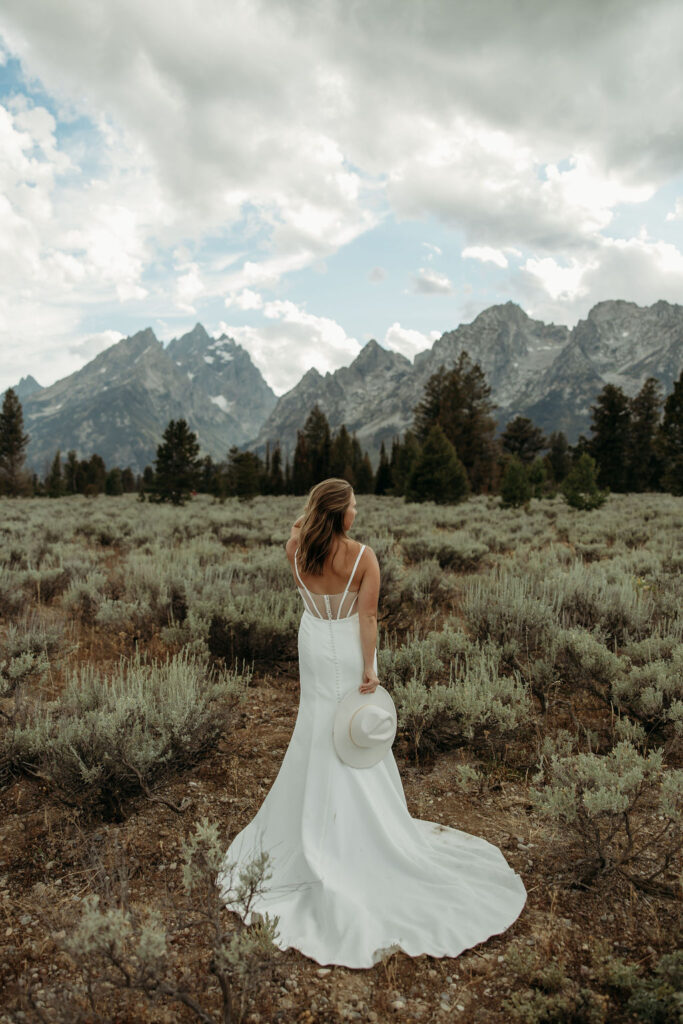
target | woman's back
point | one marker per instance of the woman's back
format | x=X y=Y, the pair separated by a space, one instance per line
x=330 y=595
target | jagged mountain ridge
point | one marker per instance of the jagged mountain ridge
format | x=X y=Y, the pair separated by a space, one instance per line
x=119 y=403
x=28 y=385
x=222 y=368
x=547 y=372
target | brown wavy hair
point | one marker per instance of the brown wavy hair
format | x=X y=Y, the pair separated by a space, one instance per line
x=323 y=521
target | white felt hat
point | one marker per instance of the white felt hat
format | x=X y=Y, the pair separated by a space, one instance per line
x=364 y=727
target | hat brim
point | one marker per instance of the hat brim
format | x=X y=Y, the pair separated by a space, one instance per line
x=348 y=751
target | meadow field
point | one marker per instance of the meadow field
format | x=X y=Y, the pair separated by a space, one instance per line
x=148 y=691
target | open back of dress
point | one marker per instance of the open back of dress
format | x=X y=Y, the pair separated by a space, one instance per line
x=330 y=606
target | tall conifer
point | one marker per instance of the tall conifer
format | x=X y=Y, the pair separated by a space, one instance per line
x=458 y=400
x=611 y=417
x=671 y=439
x=13 y=442
x=644 y=465
x=177 y=463
x=437 y=474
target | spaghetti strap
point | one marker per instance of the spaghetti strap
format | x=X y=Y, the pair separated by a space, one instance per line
x=310 y=595
x=353 y=573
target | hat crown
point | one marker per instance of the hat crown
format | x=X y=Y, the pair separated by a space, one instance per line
x=371 y=725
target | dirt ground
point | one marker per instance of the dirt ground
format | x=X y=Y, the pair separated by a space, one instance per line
x=50 y=859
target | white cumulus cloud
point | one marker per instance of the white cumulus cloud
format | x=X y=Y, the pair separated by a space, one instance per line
x=430 y=282
x=407 y=341
x=291 y=341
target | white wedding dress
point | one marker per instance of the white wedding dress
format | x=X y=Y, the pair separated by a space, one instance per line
x=353 y=874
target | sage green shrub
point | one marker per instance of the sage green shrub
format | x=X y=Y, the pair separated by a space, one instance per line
x=623 y=809
x=656 y=996
x=122 y=953
x=653 y=694
x=449 y=691
x=83 y=598
x=25 y=652
x=110 y=737
x=610 y=988
x=456 y=551
x=504 y=608
x=574 y=659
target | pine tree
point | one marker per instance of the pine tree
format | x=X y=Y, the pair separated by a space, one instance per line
x=438 y=474
x=277 y=480
x=404 y=455
x=523 y=439
x=13 y=442
x=301 y=474
x=383 y=478
x=245 y=473
x=671 y=439
x=113 y=483
x=580 y=487
x=458 y=400
x=319 y=441
x=644 y=465
x=515 y=488
x=341 y=455
x=71 y=473
x=558 y=457
x=538 y=477
x=609 y=444
x=95 y=473
x=54 y=484
x=128 y=480
x=176 y=464
x=206 y=481
x=365 y=478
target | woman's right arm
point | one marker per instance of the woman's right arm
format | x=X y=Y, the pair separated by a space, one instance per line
x=368 y=598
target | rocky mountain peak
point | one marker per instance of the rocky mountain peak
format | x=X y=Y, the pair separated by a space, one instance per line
x=311 y=376
x=374 y=357
x=505 y=312
x=28 y=385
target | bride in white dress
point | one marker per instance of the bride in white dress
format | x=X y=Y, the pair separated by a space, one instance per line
x=353 y=874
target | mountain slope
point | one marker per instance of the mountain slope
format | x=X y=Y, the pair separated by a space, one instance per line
x=119 y=404
x=543 y=371
x=366 y=396
x=226 y=374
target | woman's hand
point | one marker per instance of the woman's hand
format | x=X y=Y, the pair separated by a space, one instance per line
x=370 y=681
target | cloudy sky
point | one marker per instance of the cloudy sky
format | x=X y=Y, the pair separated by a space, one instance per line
x=307 y=174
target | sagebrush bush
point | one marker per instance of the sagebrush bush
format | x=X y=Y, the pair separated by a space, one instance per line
x=608 y=987
x=449 y=691
x=624 y=808
x=109 y=738
x=653 y=694
x=504 y=608
x=574 y=659
x=25 y=652
x=121 y=952
x=456 y=551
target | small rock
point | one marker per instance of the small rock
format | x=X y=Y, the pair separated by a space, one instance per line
x=322 y=971
x=460 y=1007
x=397 y=1004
